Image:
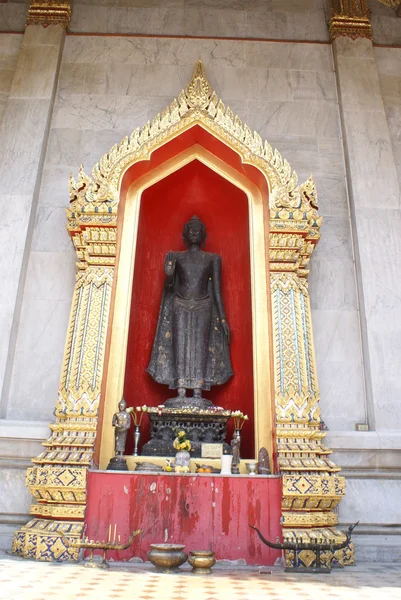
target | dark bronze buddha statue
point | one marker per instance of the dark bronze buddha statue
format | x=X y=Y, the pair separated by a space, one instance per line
x=191 y=345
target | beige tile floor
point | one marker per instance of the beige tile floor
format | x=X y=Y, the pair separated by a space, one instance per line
x=28 y=580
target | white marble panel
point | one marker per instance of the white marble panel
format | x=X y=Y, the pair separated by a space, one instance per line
x=225 y=4
x=154 y=20
x=287 y=20
x=316 y=119
x=50 y=276
x=67 y=147
x=388 y=61
x=32 y=61
x=54 y=185
x=10 y=45
x=50 y=230
x=14 y=496
x=387 y=383
x=342 y=395
x=272 y=85
x=19 y=160
x=38 y=358
x=332 y=193
x=90 y=19
x=13 y=16
x=359 y=83
x=214 y=22
x=385 y=24
x=336 y=335
x=313 y=85
x=15 y=212
x=270 y=55
x=37 y=35
x=371 y=501
x=99 y=51
x=374 y=176
x=97 y=112
x=332 y=284
x=335 y=242
x=72 y=77
x=390 y=86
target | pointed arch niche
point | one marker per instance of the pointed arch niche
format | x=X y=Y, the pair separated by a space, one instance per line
x=251 y=387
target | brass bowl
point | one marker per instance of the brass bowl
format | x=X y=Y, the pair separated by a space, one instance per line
x=202 y=561
x=167 y=557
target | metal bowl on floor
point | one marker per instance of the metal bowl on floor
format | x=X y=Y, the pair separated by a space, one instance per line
x=167 y=557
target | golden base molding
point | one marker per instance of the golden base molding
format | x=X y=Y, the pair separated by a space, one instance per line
x=58 y=511
x=40 y=540
x=309 y=519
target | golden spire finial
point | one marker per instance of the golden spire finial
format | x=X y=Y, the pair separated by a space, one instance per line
x=198 y=90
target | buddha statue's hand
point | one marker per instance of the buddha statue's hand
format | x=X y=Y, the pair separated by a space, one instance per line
x=226 y=329
x=169 y=264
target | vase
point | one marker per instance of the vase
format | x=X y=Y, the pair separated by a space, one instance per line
x=137 y=437
x=226 y=461
x=237 y=435
x=202 y=561
x=167 y=557
x=182 y=459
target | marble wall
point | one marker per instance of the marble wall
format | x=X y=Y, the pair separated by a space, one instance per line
x=388 y=62
x=386 y=26
x=266 y=19
x=110 y=85
x=13 y=15
x=9 y=49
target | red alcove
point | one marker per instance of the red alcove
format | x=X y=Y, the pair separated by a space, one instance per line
x=165 y=207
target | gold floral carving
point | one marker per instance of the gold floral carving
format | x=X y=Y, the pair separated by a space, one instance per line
x=49 y=12
x=350 y=18
x=311 y=485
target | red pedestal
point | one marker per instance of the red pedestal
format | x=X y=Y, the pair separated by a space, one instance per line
x=200 y=511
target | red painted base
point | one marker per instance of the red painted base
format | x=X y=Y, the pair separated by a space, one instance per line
x=201 y=511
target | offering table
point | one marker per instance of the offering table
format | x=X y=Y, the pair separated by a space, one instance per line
x=202 y=511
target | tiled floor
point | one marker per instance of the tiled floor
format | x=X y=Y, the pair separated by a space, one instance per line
x=28 y=580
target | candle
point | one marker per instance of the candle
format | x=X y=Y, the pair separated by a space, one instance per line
x=115 y=531
x=109 y=538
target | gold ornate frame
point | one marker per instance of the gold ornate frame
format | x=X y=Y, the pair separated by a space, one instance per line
x=312 y=487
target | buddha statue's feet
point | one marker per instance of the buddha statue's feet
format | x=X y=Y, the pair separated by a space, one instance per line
x=184 y=402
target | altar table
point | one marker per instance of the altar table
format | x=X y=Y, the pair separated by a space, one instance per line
x=202 y=511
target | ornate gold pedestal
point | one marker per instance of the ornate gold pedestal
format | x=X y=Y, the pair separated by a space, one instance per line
x=289 y=219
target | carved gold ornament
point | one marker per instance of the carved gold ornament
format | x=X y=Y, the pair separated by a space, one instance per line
x=312 y=487
x=350 y=18
x=49 y=12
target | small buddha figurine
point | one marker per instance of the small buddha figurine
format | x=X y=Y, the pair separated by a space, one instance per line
x=121 y=422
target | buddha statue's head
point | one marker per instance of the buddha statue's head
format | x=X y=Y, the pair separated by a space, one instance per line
x=194 y=232
x=122 y=405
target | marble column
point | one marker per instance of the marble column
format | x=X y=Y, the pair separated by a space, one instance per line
x=376 y=222
x=24 y=133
